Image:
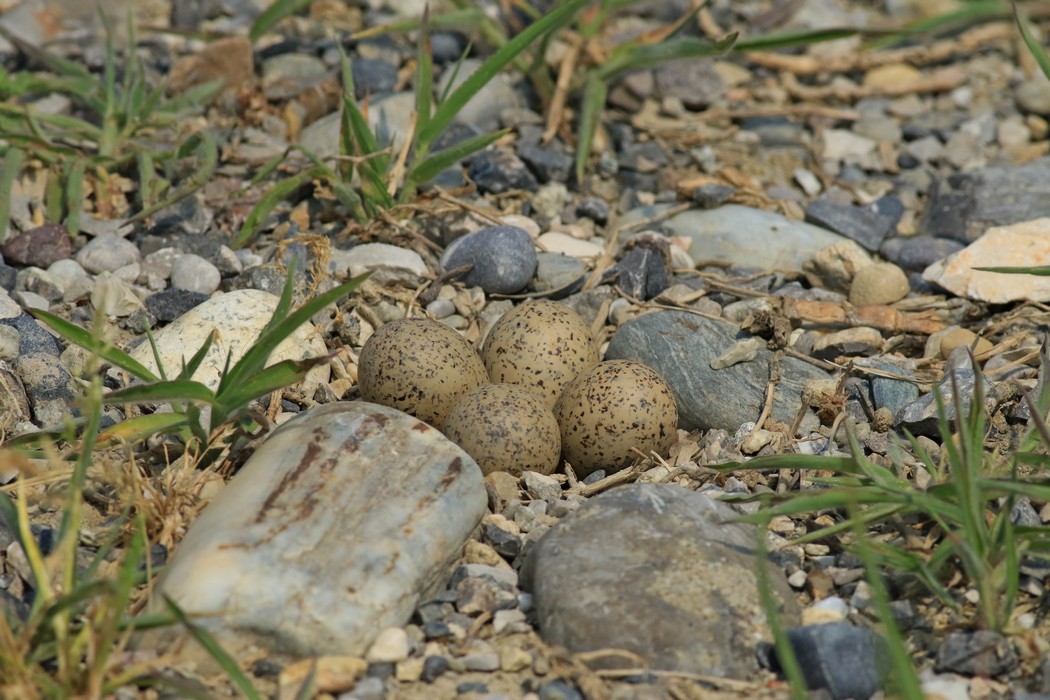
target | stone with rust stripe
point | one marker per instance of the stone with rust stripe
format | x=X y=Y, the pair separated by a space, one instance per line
x=336 y=527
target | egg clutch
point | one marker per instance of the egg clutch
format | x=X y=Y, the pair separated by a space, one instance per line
x=536 y=394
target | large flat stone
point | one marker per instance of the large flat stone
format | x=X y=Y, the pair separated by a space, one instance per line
x=750 y=238
x=659 y=571
x=679 y=346
x=334 y=529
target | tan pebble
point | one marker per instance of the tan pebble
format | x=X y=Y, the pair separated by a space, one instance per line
x=961 y=337
x=331 y=674
x=879 y=283
x=512 y=660
x=883 y=420
x=409 y=670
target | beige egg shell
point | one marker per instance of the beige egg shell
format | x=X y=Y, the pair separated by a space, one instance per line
x=419 y=366
x=506 y=428
x=609 y=409
x=540 y=345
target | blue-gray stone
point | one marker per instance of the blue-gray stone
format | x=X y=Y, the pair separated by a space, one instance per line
x=679 y=346
x=504 y=259
x=920 y=417
x=889 y=393
x=846 y=661
x=861 y=224
x=918 y=252
x=558 y=274
x=497 y=171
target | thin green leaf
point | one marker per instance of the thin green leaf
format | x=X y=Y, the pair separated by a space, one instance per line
x=164 y=392
x=1034 y=47
x=266 y=204
x=190 y=368
x=792 y=39
x=278 y=10
x=593 y=102
x=448 y=110
x=448 y=157
x=1041 y=271
x=74 y=195
x=78 y=336
x=650 y=55
x=9 y=170
x=424 y=73
x=139 y=428
x=226 y=662
x=276 y=376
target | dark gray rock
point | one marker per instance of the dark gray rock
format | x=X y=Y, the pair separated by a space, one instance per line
x=711 y=196
x=594 y=209
x=892 y=394
x=918 y=252
x=976 y=653
x=169 y=304
x=447 y=47
x=504 y=259
x=372 y=76
x=695 y=82
x=659 y=571
x=864 y=225
x=920 y=416
x=965 y=205
x=497 y=171
x=645 y=268
x=645 y=157
x=846 y=661
x=49 y=386
x=550 y=162
x=680 y=346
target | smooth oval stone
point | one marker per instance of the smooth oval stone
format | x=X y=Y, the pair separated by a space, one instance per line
x=750 y=238
x=504 y=259
x=239 y=317
x=846 y=661
x=659 y=571
x=341 y=522
x=680 y=346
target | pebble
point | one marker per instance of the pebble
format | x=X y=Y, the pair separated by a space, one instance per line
x=1025 y=244
x=503 y=257
x=965 y=205
x=845 y=661
x=39 y=247
x=861 y=224
x=390 y=646
x=194 y=274
x=1034 y=95
x=556 y=242
x=976 y=653
x=963 y=337
x=113 y=296
x=920 y=416
x=850 y=342
x=878 y=283
x=312 y=511
x=107 y=254
x=660 y=571
x=389 y=264
x=559 y=273
x=680 y=347
x=750 y=238
x=498 y=171
x=918 y=252
x=167 y=305
x=49 y=386
x=835 y=266
x=695 y=82
x=239 y=316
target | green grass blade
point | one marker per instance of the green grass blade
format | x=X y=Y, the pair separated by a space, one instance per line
x=164 y=392
x=266 y=204
x=792 y=39
x=254 y=360
x=277 y=376
x=593 y=102
x=1042 y=271
x=424 y=73
x=278 y=10
x=9 y=170
x=448 y=157
x=448 y=109
x=78 y=336
x=139 y=428
x=785 y=652
x=1034 y=47
x=206 y=152
x=226 y=662
x=190 y=368
x=74 y=195
x=650 y=55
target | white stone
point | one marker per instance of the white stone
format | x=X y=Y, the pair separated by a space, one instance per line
x=239 y=317
x=1024 y=244
x=343 y=520
x=195 y=274
x=568 y=245
x=389 y=647
x=114 y=296
x=389 y=264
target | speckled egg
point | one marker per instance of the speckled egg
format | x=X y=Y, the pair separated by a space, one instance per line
x=540 y=345
x=419 y=366
x=506 y=428
x=607 y=410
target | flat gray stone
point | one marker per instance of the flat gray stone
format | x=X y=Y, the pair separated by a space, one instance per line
x=659 y=571
x=680 y=346
x=343 y=520
x=965 y=205
x=750 y=238
x=388 y=264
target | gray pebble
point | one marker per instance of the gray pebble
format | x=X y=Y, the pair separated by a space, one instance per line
x=503 y=257
x=107 y=254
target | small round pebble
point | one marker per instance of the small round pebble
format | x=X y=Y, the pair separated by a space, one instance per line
x=390 y=646
x=879 y=283
x=107 y=253
x=962 y=337
x=504 y=259
x=195 y=274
